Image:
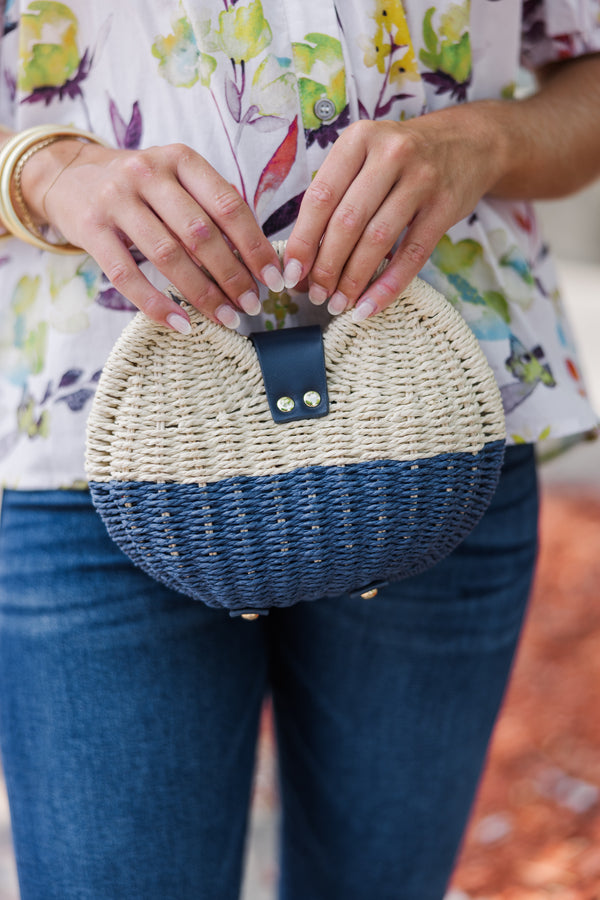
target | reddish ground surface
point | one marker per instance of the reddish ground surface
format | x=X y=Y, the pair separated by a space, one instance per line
x=535 y=832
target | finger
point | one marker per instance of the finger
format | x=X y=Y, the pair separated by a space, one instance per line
x=121 y=270
x=375 y=243
x=163 y=250
x=232 y=215
x=363 y=219
x=203 y=242
x=415 y=249
x=321 y=199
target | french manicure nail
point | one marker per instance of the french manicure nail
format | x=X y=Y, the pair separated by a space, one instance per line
x=292 y=273
x=178 y=323
x=227 y=316
x=273 y=279
x=363 y=310
x=317 y=294
x=337 y=303
x=250 y=303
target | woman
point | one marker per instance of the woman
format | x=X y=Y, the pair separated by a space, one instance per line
x=128 y=714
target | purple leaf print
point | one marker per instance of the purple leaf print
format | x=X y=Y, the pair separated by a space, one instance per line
x=362 y=111
x=283 y=216
x=112 y=299
x=384 y=110
x=328 y=134
x=70 y=88
x=96 y=376
x=446 y=84
x=70 y=378
x=234 y=99
x=11 y=84
x=77 y=400
x=127 y=135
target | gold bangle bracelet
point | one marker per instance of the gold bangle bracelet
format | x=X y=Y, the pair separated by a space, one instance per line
x=10 y=155
x=21 y=207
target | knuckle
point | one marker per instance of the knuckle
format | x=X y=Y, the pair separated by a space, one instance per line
x=230 y=278
x=139 y=164
x=119 y=275
x=320 y=194
x=350 y=285
x=358 y=132
x=380 y=234
x=416 y=253
x=109 y=194
x=207 y=297
x=402 y=147
x=348 y=216
x=165 y=252
x=229 y=204
x=254 y=246
x=179 y=152
x=195 y=233
x=324 y=273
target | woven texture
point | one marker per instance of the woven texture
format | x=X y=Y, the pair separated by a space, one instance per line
x=204 y=491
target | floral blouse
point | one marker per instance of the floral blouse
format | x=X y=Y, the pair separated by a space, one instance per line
x=262 y=88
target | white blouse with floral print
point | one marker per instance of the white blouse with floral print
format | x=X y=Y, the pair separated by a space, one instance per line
x=238 y=82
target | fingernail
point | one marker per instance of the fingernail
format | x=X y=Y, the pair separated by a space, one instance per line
x=363 y=310
x=273 y=279
x=250 y=303
x=317 y=294
x=227 y=316
x=292 y=273
x=178 y=323
x=337 y=303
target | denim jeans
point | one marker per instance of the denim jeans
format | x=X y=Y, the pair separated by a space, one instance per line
x=129 y=714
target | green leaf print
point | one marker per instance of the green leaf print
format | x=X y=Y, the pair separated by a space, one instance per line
x=320 y=67
x=49 y=55
x=447 y=51
x=452 y=259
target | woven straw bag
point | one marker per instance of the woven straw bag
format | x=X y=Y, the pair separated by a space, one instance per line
x=384 y=464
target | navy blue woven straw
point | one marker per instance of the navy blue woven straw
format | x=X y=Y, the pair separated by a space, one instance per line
x=202 y=490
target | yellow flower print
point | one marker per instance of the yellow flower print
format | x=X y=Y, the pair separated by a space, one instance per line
x=48 y=45
x=391 y=34
x=243 y=31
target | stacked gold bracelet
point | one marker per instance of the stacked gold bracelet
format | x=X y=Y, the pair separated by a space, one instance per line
x=15 y=216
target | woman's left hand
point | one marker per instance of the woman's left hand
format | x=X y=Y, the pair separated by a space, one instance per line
x=379 y=179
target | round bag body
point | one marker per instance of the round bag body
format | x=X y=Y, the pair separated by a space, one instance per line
x=251 y=475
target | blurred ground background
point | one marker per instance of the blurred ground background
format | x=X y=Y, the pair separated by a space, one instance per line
x=535 y=830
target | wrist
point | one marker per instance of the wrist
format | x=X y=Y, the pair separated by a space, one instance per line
x=41 y=170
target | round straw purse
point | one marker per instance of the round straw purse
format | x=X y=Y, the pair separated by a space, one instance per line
x=295 y=464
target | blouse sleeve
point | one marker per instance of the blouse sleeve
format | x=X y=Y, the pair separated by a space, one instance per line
x=558 y=29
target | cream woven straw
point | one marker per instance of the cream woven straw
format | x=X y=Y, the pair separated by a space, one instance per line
x=202 y=489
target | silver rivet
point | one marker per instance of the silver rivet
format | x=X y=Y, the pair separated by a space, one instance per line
x=368 y=595
x=324 y=109
x=312 y=399
x=285 y=404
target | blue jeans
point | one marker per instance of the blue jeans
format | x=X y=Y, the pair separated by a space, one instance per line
x=129 y=714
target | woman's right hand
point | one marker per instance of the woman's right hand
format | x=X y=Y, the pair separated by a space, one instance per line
x=172 y=205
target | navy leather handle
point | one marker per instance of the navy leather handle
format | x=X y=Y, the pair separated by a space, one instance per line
x=292 y=361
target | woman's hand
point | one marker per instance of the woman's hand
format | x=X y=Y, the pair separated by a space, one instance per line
x=426 y=174
x=379 y=180
x=170 y=204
